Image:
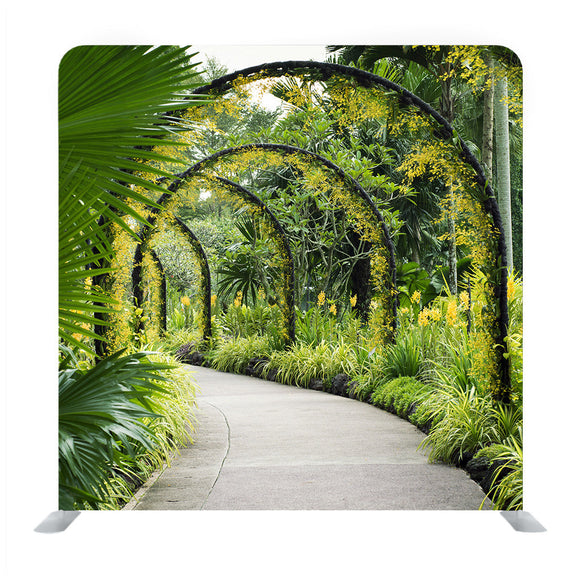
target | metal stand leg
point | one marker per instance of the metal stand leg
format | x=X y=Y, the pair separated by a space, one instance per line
x=522 y=521
x=56 y=522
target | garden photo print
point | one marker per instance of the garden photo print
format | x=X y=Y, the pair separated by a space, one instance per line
x=291 y=285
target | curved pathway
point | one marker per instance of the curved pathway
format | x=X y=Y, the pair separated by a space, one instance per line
x=261 y=445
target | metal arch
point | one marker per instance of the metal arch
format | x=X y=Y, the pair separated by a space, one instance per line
x=137 y=274
x=205 y=276
x=367 y=79
x=350 y=181
x=290 y=294
x=250 y=198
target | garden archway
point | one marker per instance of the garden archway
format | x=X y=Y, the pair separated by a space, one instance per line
x=194 y=243
x=253 y=201
x=498 y=270
x=365 y=214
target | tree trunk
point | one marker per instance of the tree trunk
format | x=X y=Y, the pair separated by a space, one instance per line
x=503 y=164
x=487 y=140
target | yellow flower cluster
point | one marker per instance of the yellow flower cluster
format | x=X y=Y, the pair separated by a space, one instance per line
x=428 y=314
x=321 y=299
x=511 y=288
x=452 y=313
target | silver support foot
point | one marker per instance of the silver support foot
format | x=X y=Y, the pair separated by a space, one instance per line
x=56 y=522
x=523 y=521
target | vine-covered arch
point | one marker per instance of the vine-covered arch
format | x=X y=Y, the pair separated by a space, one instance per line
x=499 y=274
x=361 y=208
x=196 y=246
x=138 y=290
x=253 y=201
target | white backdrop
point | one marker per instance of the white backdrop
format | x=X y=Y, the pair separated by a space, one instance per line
x=276 y=544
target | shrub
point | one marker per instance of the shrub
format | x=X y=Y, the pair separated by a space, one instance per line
x=233 y=354
x=508 y=423
x=175 y=339
x=115 y=420
x=399 y=395
x=462 y=423
x=240 y=320
x=304 y=362
x=507 y=487
x=404 y=358
x=368 y=372
x=490 y=452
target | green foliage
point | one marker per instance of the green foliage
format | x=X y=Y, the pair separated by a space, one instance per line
x=404 y=358
x=176 y=338
x=490 y=452
x=507 y=491
x=233 y=354
x=111 y=100
x=178 y=261
x=411 y=278
x=246 y=266
x=101 y=412
x=462 y=423
x=314 y=325
x=399 y=395
x=514 y=339
x=302 y=362
x=509 y=422
x=262 y=319
x=456 y=368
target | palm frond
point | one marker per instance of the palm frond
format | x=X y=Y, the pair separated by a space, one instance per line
x=101 y=413
x=116 y=103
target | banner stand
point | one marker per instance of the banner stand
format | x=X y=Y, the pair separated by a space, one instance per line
x=59 y=521
x=523 y=521
x=56 y=522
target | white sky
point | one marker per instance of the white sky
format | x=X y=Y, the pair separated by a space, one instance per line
x=236 y=57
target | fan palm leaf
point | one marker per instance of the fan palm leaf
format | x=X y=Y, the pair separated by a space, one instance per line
x=113 y=111
x=101 y=415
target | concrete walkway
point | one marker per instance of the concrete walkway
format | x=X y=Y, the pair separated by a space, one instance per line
x=265 y=446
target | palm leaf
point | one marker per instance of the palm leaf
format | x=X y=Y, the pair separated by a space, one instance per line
x=100 y=416
x=113 y=108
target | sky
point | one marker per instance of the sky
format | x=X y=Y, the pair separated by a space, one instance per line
x=236 y=57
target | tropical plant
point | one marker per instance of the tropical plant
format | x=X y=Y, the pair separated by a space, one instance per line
x=101 y=412
x=404 y=358
x=233 y=354
x=245 y=266
x=241 y=320
x=302 y=363
x=462 y=423
x=114 y=104
x=507 y=485
x=399 y=395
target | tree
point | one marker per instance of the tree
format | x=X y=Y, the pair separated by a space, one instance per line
x=465 y=74
x=502 y=141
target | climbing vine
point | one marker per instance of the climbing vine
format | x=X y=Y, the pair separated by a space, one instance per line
x=438 y=152
x=323 y=177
